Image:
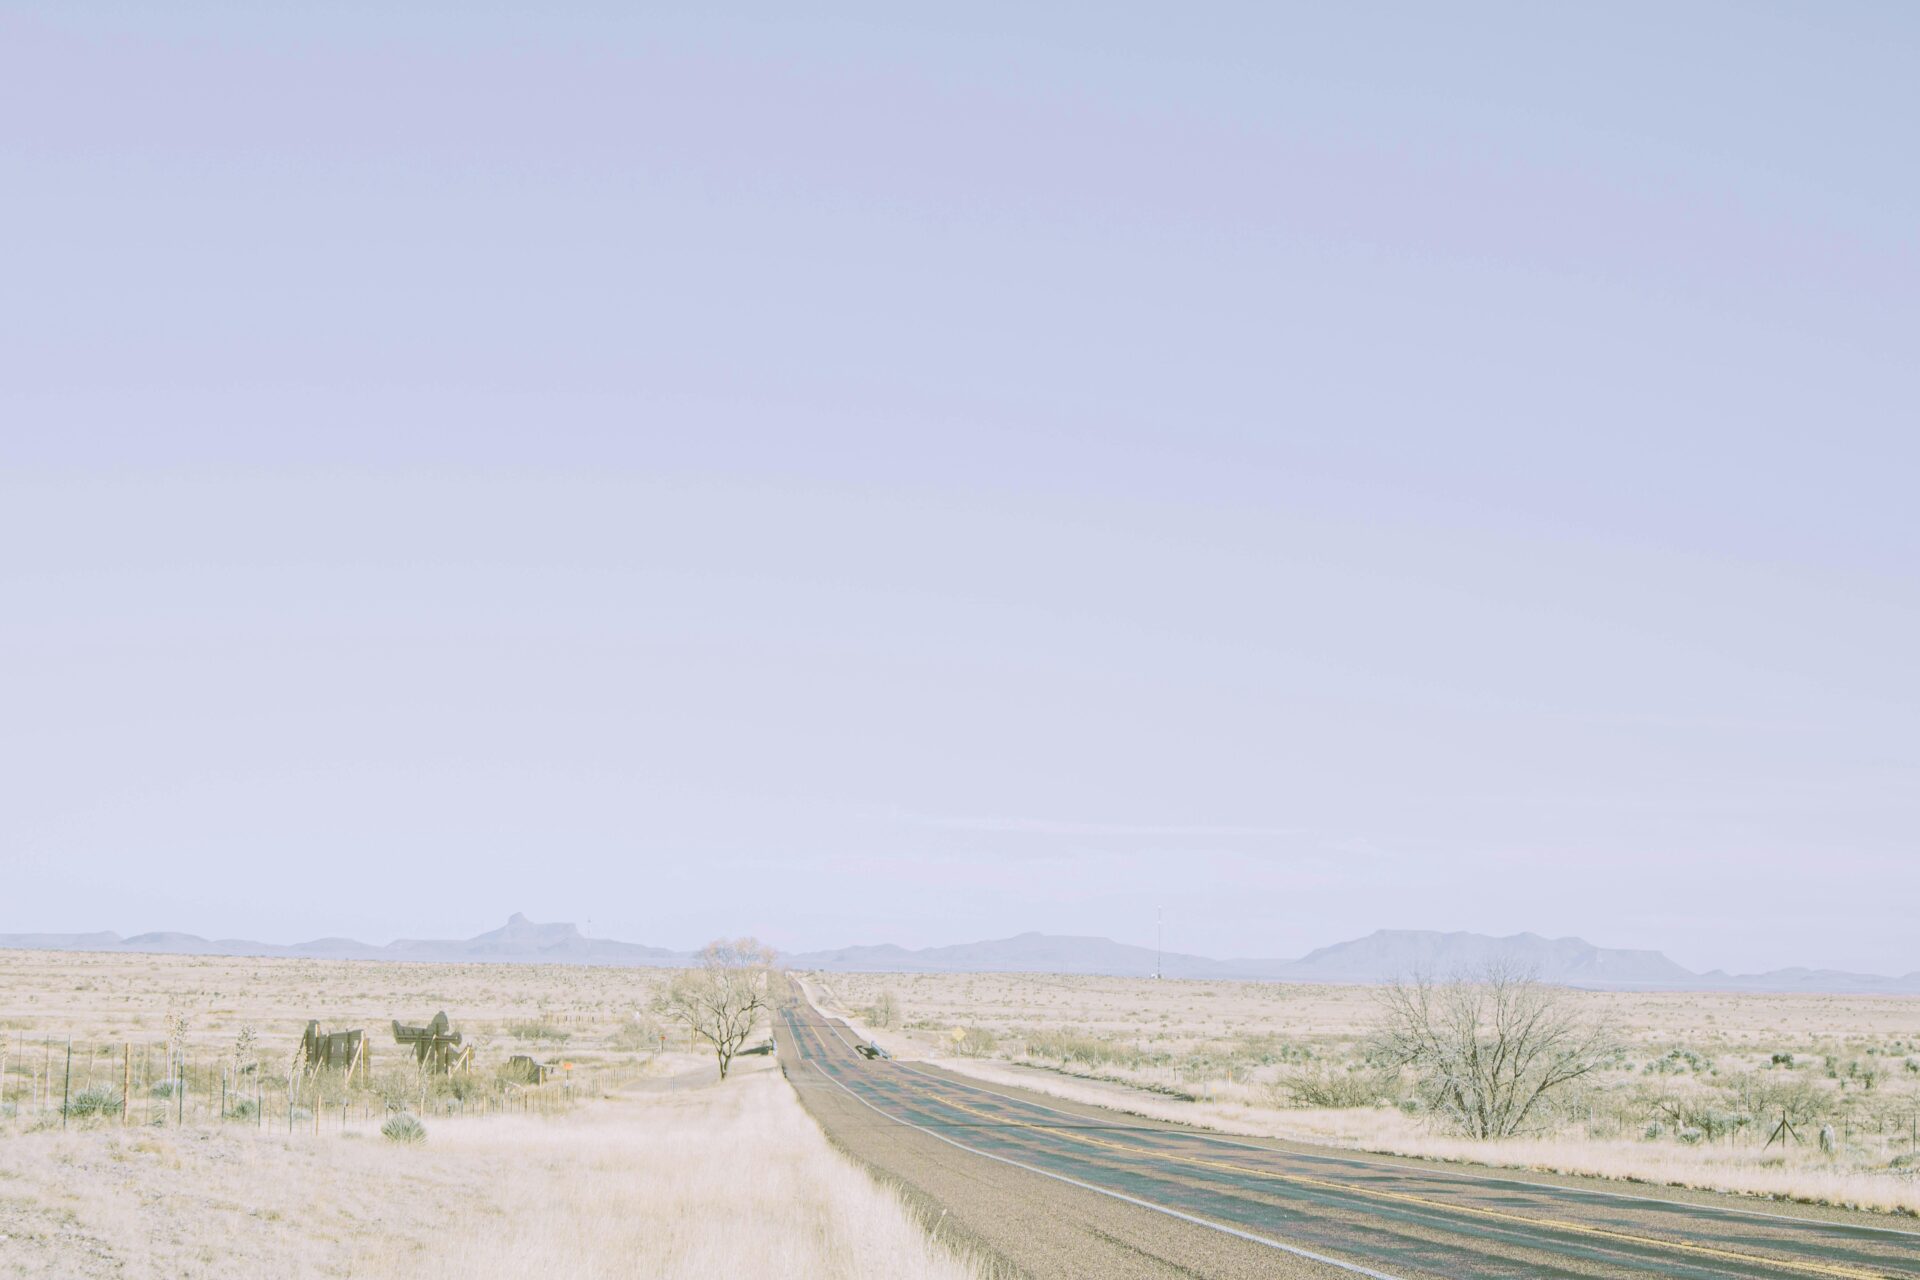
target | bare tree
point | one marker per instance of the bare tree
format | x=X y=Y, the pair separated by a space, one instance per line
x=721 y=1001
x=882 y=1012
x=1490 y=1047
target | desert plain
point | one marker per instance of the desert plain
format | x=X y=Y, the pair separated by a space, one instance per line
x=636 y=1161
x=632 y=1156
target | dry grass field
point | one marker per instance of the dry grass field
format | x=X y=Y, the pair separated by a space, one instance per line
x=590 y=1013
x=639 y=1163
x=1691 y=1099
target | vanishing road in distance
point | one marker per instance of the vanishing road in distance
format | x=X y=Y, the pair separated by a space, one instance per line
x=1056 y=1189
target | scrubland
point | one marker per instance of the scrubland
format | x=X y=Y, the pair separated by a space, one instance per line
x=107 y=1000
x=639 y=1162
x=1692 y=1098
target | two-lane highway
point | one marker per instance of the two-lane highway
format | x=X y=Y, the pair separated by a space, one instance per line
x=1140 y=1198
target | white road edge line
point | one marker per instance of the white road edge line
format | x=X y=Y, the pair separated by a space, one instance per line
x=1490 y=1179
x=1295 y=1250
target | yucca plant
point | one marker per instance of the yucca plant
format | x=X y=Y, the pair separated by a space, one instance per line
x=404 y=1128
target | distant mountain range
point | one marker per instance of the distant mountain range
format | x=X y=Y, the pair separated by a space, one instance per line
x=519 y=941
x=1379 y=957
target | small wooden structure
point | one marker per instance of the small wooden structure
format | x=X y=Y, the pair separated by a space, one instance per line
x=346 y=1050
x=437 y=1046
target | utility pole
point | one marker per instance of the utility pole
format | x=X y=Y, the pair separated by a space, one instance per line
x=1159 y=941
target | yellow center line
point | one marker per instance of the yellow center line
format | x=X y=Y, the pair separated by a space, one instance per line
x=1300 y=1179
x=1402 y=1197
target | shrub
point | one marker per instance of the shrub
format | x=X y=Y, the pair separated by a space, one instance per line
x=1264 y=1049
x=542 y=1031
x=406 y=1093
x=94 y=1102
x=1866 y=1074
x=976 y=1042
x=635 y=1036
x=1070 y=1047
x=396 y=1087
x=1677 y=1062
x=404 y=1128
x=1328 y=1086
x=1762 y=1099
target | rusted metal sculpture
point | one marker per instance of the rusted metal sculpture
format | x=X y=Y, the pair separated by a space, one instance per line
x=437 y=1046
x=346 y=1050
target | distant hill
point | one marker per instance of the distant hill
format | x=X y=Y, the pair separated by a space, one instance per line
x=523 y=939
x=1025 y=953
x=1387 y=953
x=519 y=941
x=1379 y=957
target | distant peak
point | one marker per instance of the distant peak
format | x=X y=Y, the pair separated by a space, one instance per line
x=517 y=918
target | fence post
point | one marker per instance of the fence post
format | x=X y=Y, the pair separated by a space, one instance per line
x=126 y=1088
x=66 y=1087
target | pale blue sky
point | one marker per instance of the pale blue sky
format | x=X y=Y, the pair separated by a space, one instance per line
x=868 y=478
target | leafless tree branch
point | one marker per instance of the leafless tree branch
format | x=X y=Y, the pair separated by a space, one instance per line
x=1491 y=1047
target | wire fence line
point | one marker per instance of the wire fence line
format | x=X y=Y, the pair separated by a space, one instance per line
x=56 y=1083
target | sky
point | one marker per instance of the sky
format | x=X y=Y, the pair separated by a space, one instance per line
x=849 y=475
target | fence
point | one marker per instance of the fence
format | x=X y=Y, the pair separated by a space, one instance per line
x=64 y=1083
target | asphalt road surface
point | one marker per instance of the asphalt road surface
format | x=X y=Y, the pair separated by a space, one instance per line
x=1045 y=1188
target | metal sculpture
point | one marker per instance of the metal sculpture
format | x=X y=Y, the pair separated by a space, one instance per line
x=344 y=1049
x=437 y=1046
